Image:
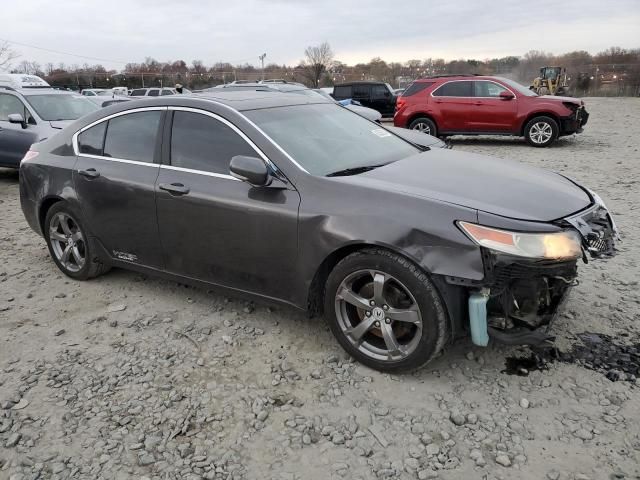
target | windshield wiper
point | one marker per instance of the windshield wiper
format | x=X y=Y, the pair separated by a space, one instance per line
x=354 y=170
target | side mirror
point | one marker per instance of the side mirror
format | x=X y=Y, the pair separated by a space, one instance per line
x=252 y=170
x=506 y=95
x=17 y=118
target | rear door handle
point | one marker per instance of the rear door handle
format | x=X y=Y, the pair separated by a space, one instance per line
x=89 y=173
x=174 y=188
x=478 y=103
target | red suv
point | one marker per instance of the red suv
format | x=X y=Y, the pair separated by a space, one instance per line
x=478 y=105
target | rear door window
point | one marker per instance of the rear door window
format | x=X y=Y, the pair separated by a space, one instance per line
x=200 y=142
x=153 y=92
x=133 y=136
x=91 y=140
x=455 y=89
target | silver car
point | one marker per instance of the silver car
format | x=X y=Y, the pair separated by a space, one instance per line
x=30 y=111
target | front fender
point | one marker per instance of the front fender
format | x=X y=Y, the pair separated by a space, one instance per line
x=422 y=231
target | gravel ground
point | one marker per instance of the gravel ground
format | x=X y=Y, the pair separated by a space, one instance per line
x=127 y=376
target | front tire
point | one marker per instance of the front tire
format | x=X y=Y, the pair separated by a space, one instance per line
x=385 y=311
x=541 y=131
x=72 y=250
x=424 y=125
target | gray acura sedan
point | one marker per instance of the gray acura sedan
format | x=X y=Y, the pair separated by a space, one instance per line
x=403 y=248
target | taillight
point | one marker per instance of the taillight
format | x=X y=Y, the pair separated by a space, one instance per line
x=30 y=155
x=401 y=102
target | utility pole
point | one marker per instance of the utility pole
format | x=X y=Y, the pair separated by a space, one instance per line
x=261 y=58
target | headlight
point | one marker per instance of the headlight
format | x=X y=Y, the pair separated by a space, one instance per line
x=560 y=245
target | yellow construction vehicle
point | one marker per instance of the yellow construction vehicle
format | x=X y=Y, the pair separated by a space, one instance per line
x=552 y=81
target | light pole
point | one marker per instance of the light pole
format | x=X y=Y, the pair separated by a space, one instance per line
x=261 y=58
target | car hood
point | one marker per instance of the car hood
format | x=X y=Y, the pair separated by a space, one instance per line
x=492 y=185
x=60 y=124
x=557 y=98
x=368 y=113
x=417 y=137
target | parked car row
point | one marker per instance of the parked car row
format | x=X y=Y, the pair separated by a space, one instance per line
x=471 y=105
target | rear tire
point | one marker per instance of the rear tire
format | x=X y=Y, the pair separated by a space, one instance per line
x=385 y=311
x=541 y=131
x=73 y=251
x=424 y=125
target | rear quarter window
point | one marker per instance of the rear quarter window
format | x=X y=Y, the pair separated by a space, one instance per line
x=416 y=87
x=91 y=140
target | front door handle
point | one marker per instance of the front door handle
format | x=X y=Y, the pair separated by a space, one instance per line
x=89 y=173
x=174 y=188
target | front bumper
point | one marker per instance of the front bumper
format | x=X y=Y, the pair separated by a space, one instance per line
x=574 y=123
x=526 y=296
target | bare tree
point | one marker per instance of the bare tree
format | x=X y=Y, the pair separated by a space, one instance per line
x=6 y=56
x=317 y=61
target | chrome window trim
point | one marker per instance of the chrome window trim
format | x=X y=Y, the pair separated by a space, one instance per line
x=74 y=139
x=472 y=88
x=121 y=160
x=199 y=172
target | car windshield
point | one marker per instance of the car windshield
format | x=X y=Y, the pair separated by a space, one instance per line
x=61 y=107
x=104 y=93
x=520 y=88
x=324 y=94
x=325 y=138
x=307 y=92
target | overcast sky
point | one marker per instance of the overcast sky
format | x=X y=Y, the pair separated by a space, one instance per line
x=238 y=31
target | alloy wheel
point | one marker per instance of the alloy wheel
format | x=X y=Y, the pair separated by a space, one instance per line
x=67 y=242
x=378 y=315
x=423 y=127
x=541 y=132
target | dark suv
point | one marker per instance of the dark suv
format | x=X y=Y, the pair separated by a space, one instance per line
x=479 y=105
x=376 y=95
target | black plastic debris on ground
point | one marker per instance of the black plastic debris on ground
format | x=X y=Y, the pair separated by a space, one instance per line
x=521 y=366
x=595 y=351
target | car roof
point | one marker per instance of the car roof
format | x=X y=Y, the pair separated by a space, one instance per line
x=444 y=77
x=21 y=81
x=254 y=100
x=360 y=82
x=29 y=92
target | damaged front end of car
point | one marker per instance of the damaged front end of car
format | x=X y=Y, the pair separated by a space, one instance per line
x=525 y=289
